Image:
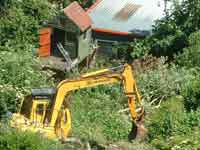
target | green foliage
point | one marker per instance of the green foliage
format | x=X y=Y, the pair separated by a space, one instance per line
x=191 y=55
x=17 y=75
x=140 y=49
x=11 y=139
x=170 y=127
x=96 y=117
x=63 y=3
x=189 y=141
x=162 y=121
x=163 y=81
x=86 y=3
x=129 y=51
x=20 y=70
x=21 y=21
x=167 y=43
x=191 y=93
x=170 y=34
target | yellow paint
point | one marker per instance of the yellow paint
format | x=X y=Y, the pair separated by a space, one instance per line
x=57 y=121
x=36 y=114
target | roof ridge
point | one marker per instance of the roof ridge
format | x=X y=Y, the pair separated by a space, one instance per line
x=91 y=8
x=78 y=15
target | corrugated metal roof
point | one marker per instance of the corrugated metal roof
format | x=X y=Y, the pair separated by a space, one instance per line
x=136 y=16
x=78 y=15
x=126 y=12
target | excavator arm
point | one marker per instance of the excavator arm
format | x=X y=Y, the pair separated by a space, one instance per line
x=123 y=74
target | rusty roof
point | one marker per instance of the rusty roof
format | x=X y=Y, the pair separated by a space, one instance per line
x=78 y=15
x=133 y=16
x=126 y=12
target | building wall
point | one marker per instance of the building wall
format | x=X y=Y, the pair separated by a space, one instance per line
x=66 y=32
x=85 y=45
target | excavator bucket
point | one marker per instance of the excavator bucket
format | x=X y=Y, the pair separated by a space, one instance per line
x=138 y=130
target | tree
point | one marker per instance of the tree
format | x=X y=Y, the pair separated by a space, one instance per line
x=64 y=3
x=170 y=34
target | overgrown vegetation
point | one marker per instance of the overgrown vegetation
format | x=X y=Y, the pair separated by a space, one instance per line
x=130 y=50
x=170 y=89
x=20 y=69
x=11 y=139
x=171 y=127
x=103 y=123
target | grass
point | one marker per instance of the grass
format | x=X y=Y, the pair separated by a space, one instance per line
x=172 y=127
x=95 y=114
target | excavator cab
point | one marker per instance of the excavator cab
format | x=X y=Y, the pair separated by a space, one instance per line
x=36 y=106
x=35 y=114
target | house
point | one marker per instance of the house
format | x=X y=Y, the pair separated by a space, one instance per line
x=72 y=29
x=104 y=23
x=124 y=20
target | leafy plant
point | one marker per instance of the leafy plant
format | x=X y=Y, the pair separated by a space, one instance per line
x=22 y=20
x=171 y=127
x=11 y=139
x=191 y=55
x=164 y=81
x=128 y=51
x=191 y=93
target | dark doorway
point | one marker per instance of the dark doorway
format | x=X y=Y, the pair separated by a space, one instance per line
x=58 y=36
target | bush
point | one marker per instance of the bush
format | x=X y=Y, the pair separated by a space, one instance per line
x=18 y=74
x=191 y=93
x=162 y=82
x=21 y=20
x=191 y=55
x=162 y=122
x=129 y=51
x=171 y=127
x=11 y=139
x=167 y=39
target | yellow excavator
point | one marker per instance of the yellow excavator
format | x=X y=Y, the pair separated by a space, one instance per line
x=46 y=110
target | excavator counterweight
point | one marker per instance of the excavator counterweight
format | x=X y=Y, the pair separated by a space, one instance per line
x=47 y=112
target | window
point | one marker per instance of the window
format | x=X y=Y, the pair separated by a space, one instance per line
x=71 y=37
x=40 y=109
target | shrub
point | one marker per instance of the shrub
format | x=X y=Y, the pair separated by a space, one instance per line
x=131 y=50
x=20 y=70
x=191 y=93
x=21 y=21
x=191 y=55
x=171 y=127
x=11 y=139
x=167 y=43
x=162 y=82
x=162 y=122
x=18 y=74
